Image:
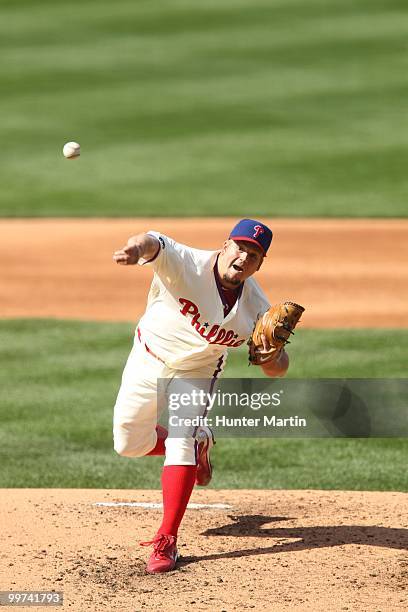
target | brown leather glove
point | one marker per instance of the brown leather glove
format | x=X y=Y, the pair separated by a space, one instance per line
x=276 y=325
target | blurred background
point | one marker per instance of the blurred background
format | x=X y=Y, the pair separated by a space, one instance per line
x=172 y=103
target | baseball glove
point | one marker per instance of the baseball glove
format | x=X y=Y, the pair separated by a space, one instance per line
x=276 y=324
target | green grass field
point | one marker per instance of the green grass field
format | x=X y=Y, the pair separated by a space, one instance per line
x=269 y=107
x=59 y=381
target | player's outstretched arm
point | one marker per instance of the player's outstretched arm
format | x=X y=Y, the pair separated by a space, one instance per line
x=141 y=245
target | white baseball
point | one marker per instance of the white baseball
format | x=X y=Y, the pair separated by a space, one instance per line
x=71 y=150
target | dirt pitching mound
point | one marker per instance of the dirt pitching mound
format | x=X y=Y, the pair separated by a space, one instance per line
x=272 y=550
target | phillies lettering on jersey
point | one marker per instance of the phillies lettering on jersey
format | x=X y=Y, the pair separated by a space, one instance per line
x=184 y=322
x=216 y=334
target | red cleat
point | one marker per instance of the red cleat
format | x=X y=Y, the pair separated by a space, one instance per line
x=164 y=556
x=205 y=439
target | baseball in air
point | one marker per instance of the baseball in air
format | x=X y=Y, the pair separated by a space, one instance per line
x=71 y=150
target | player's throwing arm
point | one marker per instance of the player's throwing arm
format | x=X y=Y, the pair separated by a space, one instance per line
x=141 y=245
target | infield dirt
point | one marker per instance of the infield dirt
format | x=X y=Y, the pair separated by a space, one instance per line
x=345 y=272
x=272 y=550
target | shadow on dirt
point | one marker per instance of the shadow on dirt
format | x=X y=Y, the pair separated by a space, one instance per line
x=306 y=537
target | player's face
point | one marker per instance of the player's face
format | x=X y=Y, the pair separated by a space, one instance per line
x=238 y=260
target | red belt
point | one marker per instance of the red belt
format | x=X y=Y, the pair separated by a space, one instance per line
x=148 y=349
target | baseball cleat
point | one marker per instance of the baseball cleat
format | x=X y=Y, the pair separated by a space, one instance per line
x=205 y=442
x=164 y=556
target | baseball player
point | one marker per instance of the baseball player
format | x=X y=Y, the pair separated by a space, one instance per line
x=201 y=304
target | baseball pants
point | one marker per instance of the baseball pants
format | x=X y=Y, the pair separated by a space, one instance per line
x=137 y=409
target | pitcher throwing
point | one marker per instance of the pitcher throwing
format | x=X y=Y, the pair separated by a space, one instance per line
x=200 y=305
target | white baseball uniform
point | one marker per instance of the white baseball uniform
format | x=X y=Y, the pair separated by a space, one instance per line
x=183 y=334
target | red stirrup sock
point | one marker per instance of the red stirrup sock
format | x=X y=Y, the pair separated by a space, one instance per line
x=159 y=449
x=177 y=485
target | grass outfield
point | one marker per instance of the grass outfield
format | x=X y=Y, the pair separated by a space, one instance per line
x=228 y=107
x=59 y=381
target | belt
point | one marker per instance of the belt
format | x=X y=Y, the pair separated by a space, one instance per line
x=149 y=350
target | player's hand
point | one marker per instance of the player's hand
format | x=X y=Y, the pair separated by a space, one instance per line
x=128 y=256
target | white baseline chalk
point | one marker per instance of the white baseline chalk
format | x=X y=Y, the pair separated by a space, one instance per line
x=157 y=505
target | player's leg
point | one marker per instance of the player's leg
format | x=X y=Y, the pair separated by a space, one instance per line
x=179 y=472
x=205 y=441
x=203 y=380
x=136 y=432
x=160 y=447
x=135 y=428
